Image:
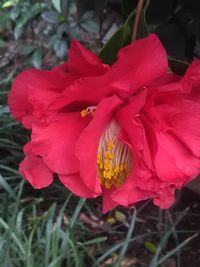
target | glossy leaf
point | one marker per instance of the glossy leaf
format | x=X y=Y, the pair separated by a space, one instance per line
x=8 y=4
x=177 y=66
x=123 y=36
x=18 y=31
x=28 y=49
x=56 y=4
x=51 y=17
x=37 y=59
x=64 y=6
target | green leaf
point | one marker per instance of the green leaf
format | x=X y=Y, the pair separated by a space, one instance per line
x=150 y=246
x=120 y=217
x=60 y=47
x=56 y=4
x=18 y=31
x=123 y=36
x=7 y=187
x=64 y=6
x=51 y=17
x=37 y=59
x=8 y=4
x=14 y=13
x=178 y=66
x=90 y=26
x=28 y=49
x=126 y=240
x=109 y=52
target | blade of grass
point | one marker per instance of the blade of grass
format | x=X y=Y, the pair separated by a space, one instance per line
x=127 y=240
x=7 y=187
x=176 y=249
x=163 y=241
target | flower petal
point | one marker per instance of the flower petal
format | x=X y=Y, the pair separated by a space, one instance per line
x=83 y=62
x=128 y=118
x=165 y=199
x=56 y=142
x=34 y=169
x=125 y=77
x=174 y=161
x=34 y=90
x=140 y=63
x=192 y=77
x=108 y=202
x=18 y=99
x=75 y=184
x=88 y=142
x=172 y=118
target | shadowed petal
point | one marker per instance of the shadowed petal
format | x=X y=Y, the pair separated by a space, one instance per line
x=75 y=184
x=33 y=169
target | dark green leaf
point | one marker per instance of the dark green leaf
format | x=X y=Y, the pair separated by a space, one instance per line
x=90 y=26
x=51 y=16
x=37 y=58
x=123 y=37
x=177 y=66
x=28 y=49
x=60 y=48
x=87 y=16
x=14 y=12
x=64 y=6
x=18 y=31
x=22 y=20
x=36 y=9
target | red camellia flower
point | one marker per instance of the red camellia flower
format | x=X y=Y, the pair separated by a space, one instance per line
x=128 y=132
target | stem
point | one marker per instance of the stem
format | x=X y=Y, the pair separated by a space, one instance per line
x=137 y=18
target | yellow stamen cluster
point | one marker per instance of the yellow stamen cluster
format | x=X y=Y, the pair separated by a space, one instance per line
x=111 y=170
x=88 y=111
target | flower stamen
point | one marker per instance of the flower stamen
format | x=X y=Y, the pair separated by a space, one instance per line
x=113 y=159
x=88 y=111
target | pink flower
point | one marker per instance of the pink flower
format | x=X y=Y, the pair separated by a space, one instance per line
x=128 y=131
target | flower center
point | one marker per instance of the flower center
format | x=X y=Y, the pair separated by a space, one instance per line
x=113 y=159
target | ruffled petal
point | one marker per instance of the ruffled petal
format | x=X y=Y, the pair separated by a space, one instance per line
x=127 y=197
x=140 y=63
x=128 y=118
x=55 y=143
x=42 y=96
x=171 y=115
x=33 y=90
x=191 y=78
x=125 y=77
x=87 y=145
x=33 y=169
x=18 y=102
x=165 y=199
x=83 y=62
x=174 y=161
x=75 y=184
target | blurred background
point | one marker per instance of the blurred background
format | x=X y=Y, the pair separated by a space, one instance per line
x=51 y=227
